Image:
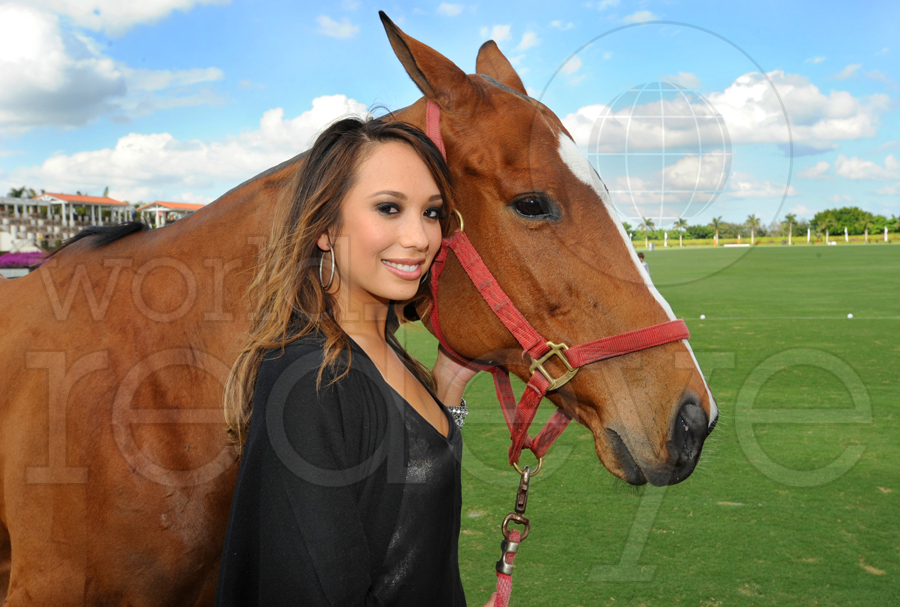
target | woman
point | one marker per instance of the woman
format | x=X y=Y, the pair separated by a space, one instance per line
x=349 y=485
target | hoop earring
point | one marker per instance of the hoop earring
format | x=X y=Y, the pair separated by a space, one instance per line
x=331 y=278
x=424 y=277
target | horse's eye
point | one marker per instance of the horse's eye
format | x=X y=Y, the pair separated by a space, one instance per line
x=531 y=206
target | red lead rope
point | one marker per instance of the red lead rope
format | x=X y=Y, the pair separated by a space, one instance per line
x=519 y=416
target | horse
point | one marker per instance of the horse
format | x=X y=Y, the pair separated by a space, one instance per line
x=116 y=473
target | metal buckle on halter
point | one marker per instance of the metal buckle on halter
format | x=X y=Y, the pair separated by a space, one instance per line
x=555 y=350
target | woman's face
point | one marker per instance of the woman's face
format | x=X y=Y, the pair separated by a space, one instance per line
x=390 y=229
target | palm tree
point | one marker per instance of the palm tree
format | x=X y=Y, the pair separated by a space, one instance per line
x=646 y=226
x=715 y=222
x=790 y=219
x=866 y=224
x=752 y=223
x=826 y=225
x=680 y=224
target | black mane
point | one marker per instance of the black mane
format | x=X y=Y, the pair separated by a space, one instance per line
x=105 y=234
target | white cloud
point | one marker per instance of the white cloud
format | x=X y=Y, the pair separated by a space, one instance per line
x=159 y=166
x=52 y=77
x=689 y=127
x=640 y=17
x=562 y=26
x=115 y=17
x=858 y=169
x=839 y=198
x=335 y=29
x=155 y=80
x=692 y=172
x=249 y=85
x=883 y=51
x=847 y=71
x=498 y=33
x=815 y=60
x=889 y=190
x=48 y=76
x=887 y=146
x=817 y=171
x=450 y=10
x=682 y=79
x=745 y=185
x=879 y=76
x=575 y=79
x=802 y=210
x=749 y=109
x=605 y=4
x=571 y=66
x=753 y=113
x=529 y=39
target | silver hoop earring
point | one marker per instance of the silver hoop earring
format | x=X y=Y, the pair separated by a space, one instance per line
x=321 y=280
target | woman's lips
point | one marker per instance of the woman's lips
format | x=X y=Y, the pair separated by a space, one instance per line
x=405 y=269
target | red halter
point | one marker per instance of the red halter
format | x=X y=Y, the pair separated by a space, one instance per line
x=519 y=417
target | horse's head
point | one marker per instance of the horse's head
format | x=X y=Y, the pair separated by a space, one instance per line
x=542 y=220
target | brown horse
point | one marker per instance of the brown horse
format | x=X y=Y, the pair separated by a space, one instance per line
x=115 y=472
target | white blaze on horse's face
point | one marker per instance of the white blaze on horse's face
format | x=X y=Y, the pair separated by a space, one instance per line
x=582 y=169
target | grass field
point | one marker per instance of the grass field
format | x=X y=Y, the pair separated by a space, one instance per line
x=796 y=500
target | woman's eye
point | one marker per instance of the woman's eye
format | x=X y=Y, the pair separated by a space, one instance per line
x=434 y=213
x=530 y=206
x=388 y=208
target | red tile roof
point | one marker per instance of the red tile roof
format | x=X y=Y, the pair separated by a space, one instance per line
x=89 y=199
x=175 y=206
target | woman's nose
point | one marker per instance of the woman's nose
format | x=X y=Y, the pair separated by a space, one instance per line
x=414 y=235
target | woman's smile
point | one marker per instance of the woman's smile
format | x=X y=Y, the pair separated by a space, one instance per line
x=406 y=269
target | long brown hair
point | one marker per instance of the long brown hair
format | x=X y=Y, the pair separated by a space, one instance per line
x=286 y=295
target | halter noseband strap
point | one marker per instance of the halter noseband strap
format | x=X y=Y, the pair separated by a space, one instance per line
x=519 y=417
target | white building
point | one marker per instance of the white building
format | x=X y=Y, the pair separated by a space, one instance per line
x=163 y=212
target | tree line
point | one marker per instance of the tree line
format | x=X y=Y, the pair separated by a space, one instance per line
x=856 y=220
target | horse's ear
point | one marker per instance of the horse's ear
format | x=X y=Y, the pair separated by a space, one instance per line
x=437 y=77
x=491 y=62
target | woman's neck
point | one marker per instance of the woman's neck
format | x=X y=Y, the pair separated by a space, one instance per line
x=365 y=321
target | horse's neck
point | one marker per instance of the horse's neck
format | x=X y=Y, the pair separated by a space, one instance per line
x=239 y=222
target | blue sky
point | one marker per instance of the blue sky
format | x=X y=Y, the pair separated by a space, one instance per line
x=183 y=99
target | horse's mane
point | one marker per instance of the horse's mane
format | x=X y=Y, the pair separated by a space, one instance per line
x=106 y=234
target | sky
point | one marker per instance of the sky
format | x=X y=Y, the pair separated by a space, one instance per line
x=686 y=109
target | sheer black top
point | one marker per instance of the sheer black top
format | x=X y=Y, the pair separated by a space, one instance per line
x=344 y=497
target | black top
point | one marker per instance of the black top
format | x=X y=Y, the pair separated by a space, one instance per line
x=348 y=497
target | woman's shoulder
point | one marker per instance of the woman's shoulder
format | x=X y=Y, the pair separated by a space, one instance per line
x=304 y=357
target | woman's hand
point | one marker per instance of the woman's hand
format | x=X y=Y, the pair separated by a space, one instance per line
x=451 y=377
x=491 y=600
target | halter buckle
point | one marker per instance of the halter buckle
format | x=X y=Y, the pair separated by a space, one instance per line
x=555 y=350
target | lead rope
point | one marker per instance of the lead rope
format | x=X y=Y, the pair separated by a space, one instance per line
x=509 y=547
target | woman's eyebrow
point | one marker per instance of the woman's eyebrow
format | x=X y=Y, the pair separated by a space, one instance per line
x=403 y=196
x=399 y=195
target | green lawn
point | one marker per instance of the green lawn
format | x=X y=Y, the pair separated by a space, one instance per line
x=796 y=500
